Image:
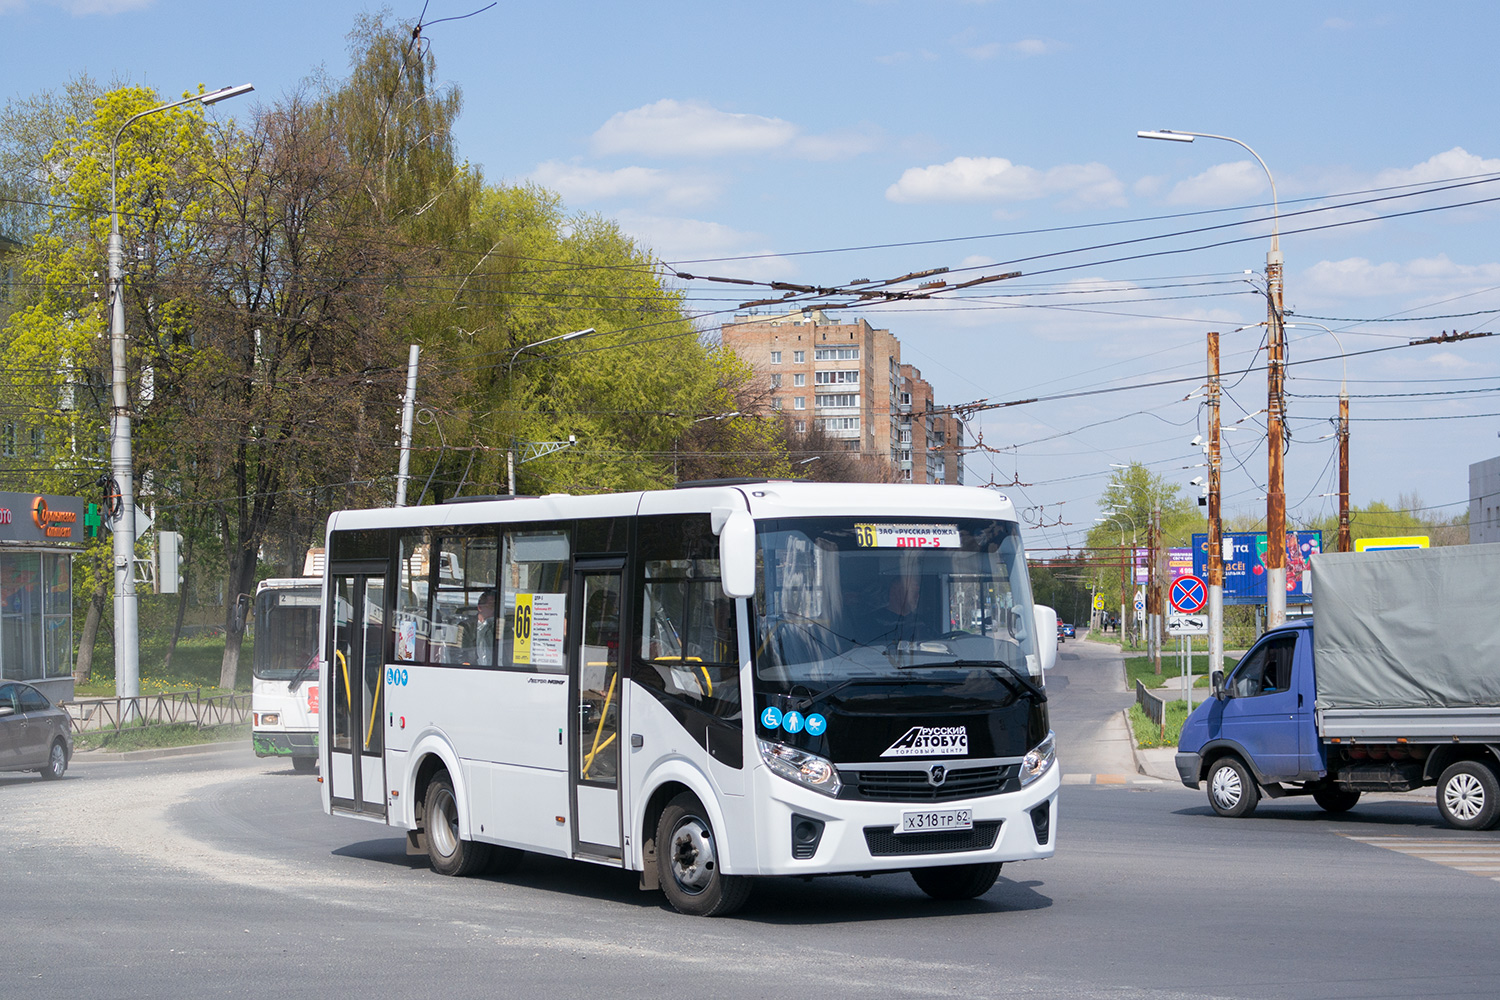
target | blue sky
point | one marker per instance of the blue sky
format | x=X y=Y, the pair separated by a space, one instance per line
x=766 y=140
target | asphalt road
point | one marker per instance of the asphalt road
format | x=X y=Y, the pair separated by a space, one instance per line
x=218 y=875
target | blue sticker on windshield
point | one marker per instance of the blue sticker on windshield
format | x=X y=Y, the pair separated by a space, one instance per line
x=815 y=724
x=792 y=722
x=771 y=717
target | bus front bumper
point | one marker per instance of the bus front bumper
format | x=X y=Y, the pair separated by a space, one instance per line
x=856 y=836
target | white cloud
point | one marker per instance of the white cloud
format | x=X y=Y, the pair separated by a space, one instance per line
x=1456 y=162
x=1221 y=184
x=681 y=239
x=579 y=184
x=992 y=178
x=1035 y=47
x=988 y=50
x=1357 y=277
x=690 y=128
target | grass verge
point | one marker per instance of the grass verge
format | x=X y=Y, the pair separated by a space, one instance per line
x=158 y=737
x=1150 y=734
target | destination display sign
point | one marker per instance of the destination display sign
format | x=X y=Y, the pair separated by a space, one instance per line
x=907 y=536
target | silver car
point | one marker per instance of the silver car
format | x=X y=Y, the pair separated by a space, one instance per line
x=35 y=735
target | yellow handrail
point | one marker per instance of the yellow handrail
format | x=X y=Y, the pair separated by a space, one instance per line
x=609 y=696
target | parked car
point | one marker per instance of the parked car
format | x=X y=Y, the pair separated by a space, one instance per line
x=1069 y=631
x=1061 y=635
x=35 y=735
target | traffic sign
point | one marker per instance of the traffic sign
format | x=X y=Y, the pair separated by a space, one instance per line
x=1188 y=594
x=1187 y=625
x=1098 y=602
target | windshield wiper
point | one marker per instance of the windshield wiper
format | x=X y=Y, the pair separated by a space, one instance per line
x=1026 y=682
x=302 y=672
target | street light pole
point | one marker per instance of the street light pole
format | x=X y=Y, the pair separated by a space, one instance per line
x=1275 y=377
x=510 y=451
x=121 y=461
x=1215 y=521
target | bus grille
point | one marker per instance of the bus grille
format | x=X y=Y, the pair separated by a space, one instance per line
x=884 y=842
x=913 y=786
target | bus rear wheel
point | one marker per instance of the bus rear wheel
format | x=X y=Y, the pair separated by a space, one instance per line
x=687 y=863
x=449 y=854
x=304 y=765
x=957 y=881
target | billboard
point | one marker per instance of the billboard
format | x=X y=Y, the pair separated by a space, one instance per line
x=1245 y=574
x=1179 y=563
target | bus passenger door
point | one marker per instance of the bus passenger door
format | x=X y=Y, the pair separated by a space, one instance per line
x=595 y=638
x=354 y=728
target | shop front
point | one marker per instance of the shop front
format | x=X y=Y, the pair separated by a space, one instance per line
x=39 y=535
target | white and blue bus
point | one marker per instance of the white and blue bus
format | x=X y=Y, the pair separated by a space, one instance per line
x=703 y=685
x=284 y=687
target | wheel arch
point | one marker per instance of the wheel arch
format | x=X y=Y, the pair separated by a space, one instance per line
x=1215 y=750
x=1445 y=755
x=431 y=754
x=665 y=784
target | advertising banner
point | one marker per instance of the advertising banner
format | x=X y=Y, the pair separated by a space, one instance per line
x=1179 y=563
x=43 y=518
x=1245 y=574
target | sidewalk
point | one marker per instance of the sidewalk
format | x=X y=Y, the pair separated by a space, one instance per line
x=1158 y=763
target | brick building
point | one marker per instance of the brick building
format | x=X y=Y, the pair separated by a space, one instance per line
x=846 y=377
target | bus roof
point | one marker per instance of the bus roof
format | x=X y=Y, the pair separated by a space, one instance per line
x=763 y=499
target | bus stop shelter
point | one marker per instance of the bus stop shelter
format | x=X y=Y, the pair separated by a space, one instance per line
x=39 y=535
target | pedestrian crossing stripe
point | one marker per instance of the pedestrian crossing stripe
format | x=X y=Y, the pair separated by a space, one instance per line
x=1074 y=778
x=1477 y=857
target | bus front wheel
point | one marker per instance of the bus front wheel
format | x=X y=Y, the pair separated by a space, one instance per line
x=687 y=863
x=449 y=854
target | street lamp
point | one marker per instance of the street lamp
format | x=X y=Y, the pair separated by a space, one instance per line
x=1114 y=515
x=1345 y=543
x=121 y=463
x=510 y=452
x=1275 y=375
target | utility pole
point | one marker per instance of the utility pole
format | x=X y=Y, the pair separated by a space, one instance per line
x=1275 y=480
x=1345 y=545
x=408 y=405
x=1126 y=563
x=1215 y=522
x=1153 y=588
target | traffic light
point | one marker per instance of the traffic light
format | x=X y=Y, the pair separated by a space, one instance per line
x=168 y=562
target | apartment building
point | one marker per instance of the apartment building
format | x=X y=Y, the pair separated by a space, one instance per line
x=846 y=377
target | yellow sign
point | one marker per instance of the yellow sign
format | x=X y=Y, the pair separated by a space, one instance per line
x=1380 y=544
x=1098 y=602
x=522 y=655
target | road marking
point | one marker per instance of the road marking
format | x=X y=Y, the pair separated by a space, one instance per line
x=1477 y=857
x=1075 y=778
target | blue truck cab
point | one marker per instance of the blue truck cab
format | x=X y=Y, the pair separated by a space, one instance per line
x=1260 y=727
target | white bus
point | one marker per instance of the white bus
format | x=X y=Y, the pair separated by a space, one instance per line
x=284 y=688
x=702 y=685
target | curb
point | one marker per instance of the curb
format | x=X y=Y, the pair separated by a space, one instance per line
x=122 y=756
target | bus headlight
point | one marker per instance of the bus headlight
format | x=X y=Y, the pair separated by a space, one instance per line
x=802 y=767
x=270 y=718
x=1041 y=757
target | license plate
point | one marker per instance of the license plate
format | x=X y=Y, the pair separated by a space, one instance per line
x=937 y=819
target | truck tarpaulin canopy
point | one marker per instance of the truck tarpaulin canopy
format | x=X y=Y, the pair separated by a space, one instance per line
x=1414 y=628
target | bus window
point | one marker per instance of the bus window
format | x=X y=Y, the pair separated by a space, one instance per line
x=533 y=593
x=689 y=640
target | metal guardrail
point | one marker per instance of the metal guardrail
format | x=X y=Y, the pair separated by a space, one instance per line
x=97 y=714
x=1154 y=707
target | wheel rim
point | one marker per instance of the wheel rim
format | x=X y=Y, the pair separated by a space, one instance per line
x=57 y=761
x=1464 y=796
x=693 y=857
x=443 y=825
x=1227 y=788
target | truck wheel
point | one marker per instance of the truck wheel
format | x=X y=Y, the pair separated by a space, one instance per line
x=449 y=855
x=1468 y=796
x=1231 y=789
x=1335 y=799
x=957 y=881
x=687 y=860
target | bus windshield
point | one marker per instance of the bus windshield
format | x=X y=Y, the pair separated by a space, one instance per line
x=841 y=600
x=286 y=633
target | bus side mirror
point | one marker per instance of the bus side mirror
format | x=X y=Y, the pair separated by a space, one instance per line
x=1217 y=680
x=737 y=555
x=1046 y=635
